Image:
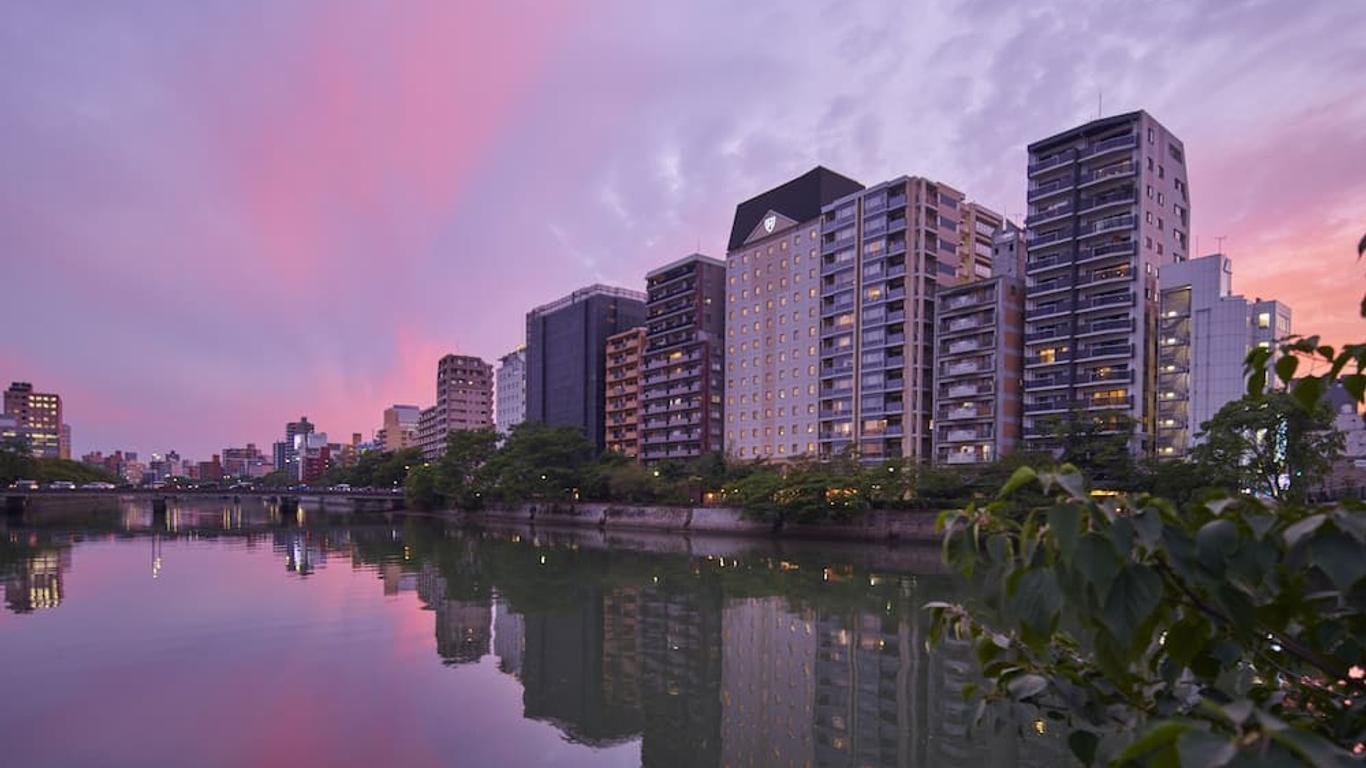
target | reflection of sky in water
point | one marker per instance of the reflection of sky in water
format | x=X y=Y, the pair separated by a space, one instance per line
x=240 y=638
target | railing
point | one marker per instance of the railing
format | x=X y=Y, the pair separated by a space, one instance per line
x=1065 y=156
x=1119 y=142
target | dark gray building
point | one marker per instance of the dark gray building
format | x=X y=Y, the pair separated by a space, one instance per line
x=566 y=343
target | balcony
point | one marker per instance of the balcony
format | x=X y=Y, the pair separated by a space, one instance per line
x=1050 y=405
x=965 y=457
x=1112 y=377
x=1052 y=187
x=956 y=391
x=1045 y=238
x=1100 y=351
x=1109 y=250
x=966 y=368
x=1122 y=299
x=966 y=412
x=1057 y=160
x=1046 y=382
x=1108 y=275
x=1054 y=359
x=1119 y=196
x=1111 y=325
x=968 y=323
x=1051 y=285
x=1108 y=173
x=1050 y=213
x=1047 y=262
x=1053 y=332
x=962 y=434
x=1106 y=401
x=1111 y=145
x=1110 y=224
x=1048 y=310
x=964 y=346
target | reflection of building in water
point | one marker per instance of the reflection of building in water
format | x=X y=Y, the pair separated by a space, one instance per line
x=562 y=672
x=37 y=582
x=303 y=552
x=463 y=630
x=767 y=696
x=680 y=640
x=509 y=638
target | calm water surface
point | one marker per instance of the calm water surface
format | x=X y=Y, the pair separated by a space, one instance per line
x=231 y=634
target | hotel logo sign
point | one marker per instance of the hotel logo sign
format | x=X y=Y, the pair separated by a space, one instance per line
x=770 y=221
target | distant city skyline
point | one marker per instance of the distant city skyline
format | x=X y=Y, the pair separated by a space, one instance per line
x=223 y=217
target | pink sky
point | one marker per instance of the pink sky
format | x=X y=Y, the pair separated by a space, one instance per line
x=219 y=216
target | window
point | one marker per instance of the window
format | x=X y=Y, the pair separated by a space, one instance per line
x=1150 y=135
x=1264 y=320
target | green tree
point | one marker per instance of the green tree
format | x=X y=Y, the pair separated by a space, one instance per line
x=420 y=489
x=1270 y=445
x=1097 y=443
x=539 y=462
x=277 y=479
x=16 y=461
x=460 y=478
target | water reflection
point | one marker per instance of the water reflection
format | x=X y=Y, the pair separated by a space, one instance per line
x=708 y=652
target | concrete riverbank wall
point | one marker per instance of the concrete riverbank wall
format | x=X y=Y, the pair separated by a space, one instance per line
x=879 y=525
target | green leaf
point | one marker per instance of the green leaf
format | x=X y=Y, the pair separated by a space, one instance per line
x=1018 y=479
x=1303 y=528
x=1186 y=638
x=1037 y=599
x=1098 y=562
x=1064 y=520
x=1285 y=368
x=1361 y=247
x=1215 y=541
x=1073 y=482
x=1238 y=711
x=1204 y=749
x=1024 y=686
x=1161 y=734
x=1083 y=744
x=1308 y=391
x=1133 y=597
x=1340 y=558
x=1355 y=384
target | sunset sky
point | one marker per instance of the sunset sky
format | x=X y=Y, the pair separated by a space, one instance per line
x=219 y=216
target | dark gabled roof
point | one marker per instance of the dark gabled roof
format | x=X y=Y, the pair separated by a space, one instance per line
x=1086 y=128
x=800 y=199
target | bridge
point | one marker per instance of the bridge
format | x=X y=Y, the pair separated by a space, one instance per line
x=16 y=500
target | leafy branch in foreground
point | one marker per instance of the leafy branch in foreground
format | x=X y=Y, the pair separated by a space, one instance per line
x=1229 y=630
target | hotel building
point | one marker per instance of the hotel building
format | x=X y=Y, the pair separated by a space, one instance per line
x=884 y=253
x=1204 y=335
x=1108 y=206
x=772 y=312
x=979 y=331
x=566 y=346
x=684 y=375
x=625 y=352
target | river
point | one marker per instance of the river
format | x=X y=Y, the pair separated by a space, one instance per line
x=232 y=634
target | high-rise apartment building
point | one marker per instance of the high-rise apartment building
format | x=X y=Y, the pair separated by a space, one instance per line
x=1108 y=206
x=284 y=450
x=885 y=252
x=684 y=377
x=566 y=346
x=977 y=227
x=510 y=390
x=772 y=312
x=625 y=355
x=400 y=428
x=979 y=332
x=312 y=457
x=37 y=420
x=1204 y=335
x=464 y=401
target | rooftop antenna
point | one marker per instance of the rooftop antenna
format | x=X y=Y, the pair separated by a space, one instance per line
x=1219 y=241
x=1100 y=101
